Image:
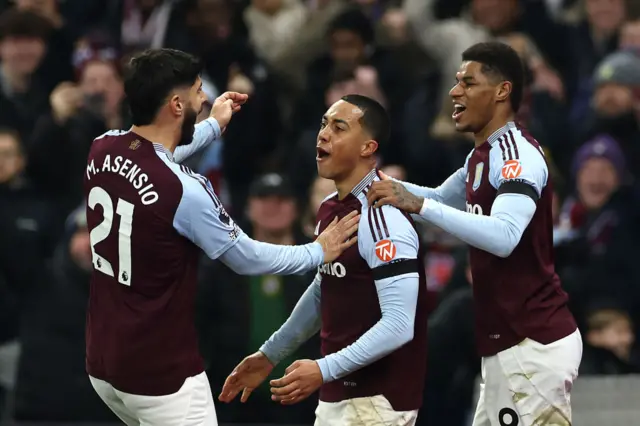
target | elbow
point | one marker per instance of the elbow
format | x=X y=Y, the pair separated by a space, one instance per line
x=508 y=243
x=237 y=269
x=504 y=251
x=406 y=335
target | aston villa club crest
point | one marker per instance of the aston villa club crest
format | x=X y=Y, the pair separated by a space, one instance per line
x=477 y=180
x=135 y=145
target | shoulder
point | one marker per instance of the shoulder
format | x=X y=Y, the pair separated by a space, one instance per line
x=517 y=157
x=385 y=223
x=197 y=189
x=112 y=133
x=329 y=197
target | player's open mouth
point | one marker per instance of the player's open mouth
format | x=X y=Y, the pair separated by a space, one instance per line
x=458 y=110
x=321 y=154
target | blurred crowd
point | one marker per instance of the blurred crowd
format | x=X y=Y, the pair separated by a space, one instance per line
x=61 y=86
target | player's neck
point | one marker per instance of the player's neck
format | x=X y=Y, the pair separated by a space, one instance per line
x=163 y=135
x=345 y=186
x=497 y=122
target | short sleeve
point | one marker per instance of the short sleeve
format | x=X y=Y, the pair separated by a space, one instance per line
x=201 y=218
x=388 y=242
x=518 y=167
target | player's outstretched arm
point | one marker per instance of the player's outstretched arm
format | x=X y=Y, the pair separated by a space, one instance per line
x=251 y=257
x=407 y=196
x=201 y=218
x=511 y=212
x=303 y=323
x=498 y=234
x=212 y=128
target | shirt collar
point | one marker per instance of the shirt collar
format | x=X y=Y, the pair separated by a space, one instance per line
x=161 y=148
x=500 y=132
x=365 y=182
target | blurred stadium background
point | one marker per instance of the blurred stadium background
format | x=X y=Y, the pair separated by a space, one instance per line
x=60 y=87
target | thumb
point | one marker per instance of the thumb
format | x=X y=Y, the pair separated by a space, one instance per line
x=228 y=103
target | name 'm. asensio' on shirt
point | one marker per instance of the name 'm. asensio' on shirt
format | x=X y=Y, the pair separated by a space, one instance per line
x=130 y=171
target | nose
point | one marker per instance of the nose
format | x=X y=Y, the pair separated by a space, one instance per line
x=456 y=91
x=323 y=136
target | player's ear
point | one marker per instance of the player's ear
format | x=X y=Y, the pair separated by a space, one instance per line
x=177 y=106
x=503 y=90
x=369 y=148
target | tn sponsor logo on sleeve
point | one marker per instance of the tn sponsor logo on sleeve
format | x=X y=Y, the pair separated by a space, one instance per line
x=385 y=250
x=511 y=169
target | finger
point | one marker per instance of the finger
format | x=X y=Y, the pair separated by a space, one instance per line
x=295 y=399
x=351 y=223
x=229 y=392
x=348 y=243
x=383 y=175
x=246 y=393
x=385 y=201
x=237 y=97
x=350 y=230
x=292 y=367
x=332 y=225
x=289 y=396
x=285 y=380
x=285 y=390
x=351 y=215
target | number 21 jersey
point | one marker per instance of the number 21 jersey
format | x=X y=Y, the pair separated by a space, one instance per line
x=140 y=330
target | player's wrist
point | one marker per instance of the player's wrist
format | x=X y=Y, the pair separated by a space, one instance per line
x=317 y=250
x=215 y=125
x=265 y=355
x=323 y=365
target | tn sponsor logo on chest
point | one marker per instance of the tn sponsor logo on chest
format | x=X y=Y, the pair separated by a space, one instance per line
x=334 y=269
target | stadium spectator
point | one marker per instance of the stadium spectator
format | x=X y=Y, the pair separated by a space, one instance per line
x=28 y=232
x=609 y=343
x=616 y=105
x=273 y=24
x=23 y=43
x=595 y=238
x=595 y=37
x=79 y=112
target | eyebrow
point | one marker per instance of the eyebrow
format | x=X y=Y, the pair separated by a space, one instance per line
x=335 y=120
x=466 y=79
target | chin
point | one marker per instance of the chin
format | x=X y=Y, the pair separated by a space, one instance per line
x=464 y=128
x=325 y=172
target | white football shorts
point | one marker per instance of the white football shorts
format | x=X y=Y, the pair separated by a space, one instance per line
x=529 y=384
x=192 y=405
x=369 y=411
